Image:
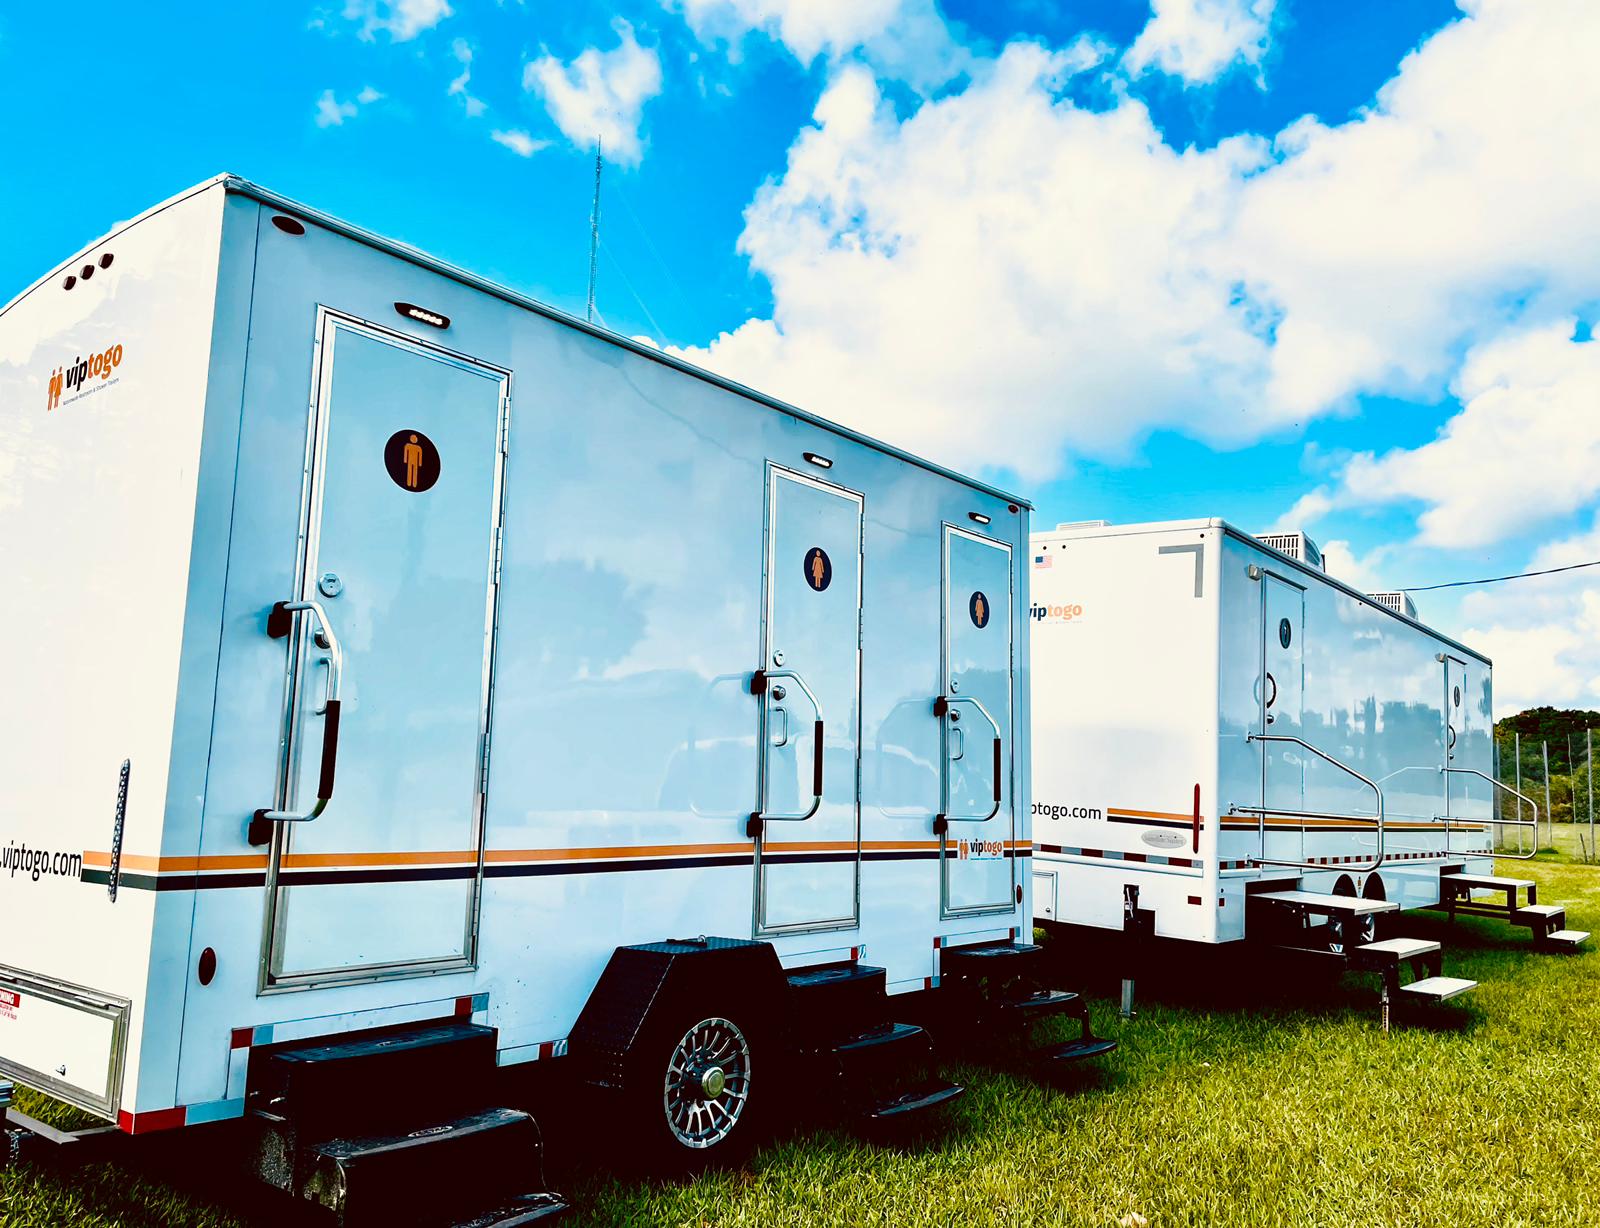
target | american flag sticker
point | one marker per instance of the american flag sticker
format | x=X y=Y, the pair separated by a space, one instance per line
x=1042 y=560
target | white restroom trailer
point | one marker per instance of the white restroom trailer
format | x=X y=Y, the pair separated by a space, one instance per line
x=1230 y=743
x=420 y=680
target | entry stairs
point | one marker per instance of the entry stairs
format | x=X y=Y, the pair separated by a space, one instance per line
x=398 y=1126
x=1002 y=988
x=1350 y=924
x=1461 y=894
x=840 y=1021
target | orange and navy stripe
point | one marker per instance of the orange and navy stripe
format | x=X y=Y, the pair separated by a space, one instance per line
x=250 y=869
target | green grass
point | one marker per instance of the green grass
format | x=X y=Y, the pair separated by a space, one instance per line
x=1238 y=1097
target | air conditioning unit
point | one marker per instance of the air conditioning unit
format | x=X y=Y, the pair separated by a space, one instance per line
x=1296 y=545
x=1400 y=603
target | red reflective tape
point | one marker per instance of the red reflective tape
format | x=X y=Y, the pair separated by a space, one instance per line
x=937 y=942
x=241 y=1038
x=148 y=1123
x=1194 y=899
x=927 y=982
x=547 y=1050
x=463 y=1007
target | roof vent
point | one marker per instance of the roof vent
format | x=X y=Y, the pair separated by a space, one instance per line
x=1400 y=603
x=1296 y=545
x=1082 y=524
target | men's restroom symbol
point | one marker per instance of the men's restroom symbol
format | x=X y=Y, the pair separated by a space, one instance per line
x=819 y=569
x=412 y=461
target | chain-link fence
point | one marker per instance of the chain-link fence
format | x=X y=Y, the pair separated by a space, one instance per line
x=1558 y=778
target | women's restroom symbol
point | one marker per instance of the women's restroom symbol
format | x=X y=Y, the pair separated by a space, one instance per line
x=819 y=569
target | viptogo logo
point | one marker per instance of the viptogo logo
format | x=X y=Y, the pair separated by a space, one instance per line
x=979 y=850
x=1055 y=613
x=76 y=376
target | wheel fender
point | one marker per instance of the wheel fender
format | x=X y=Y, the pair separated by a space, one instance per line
x=643 y=983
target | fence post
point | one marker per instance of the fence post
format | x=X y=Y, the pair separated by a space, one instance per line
x=1516 y=751
x=1588 y=756
x=1549 y=818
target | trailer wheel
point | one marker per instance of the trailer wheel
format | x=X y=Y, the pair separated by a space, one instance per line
x=1347 y=933
x=696 y=1100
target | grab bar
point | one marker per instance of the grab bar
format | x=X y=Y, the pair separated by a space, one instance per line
x=942 y=708
x=1261 y=812
x=279 y=624
x=758 y=687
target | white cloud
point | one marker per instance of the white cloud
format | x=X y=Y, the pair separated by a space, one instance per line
x=1524 y=448
x=600 y=94
x=1004 y=277
x=1200 y=40
x=401 y=20
x=904 y=39
x=462 y=50
x=331 y=112
x=518 y=141
x=1543 y=633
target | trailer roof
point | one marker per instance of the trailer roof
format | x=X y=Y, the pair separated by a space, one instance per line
x=1216 y=522
x=244 y=187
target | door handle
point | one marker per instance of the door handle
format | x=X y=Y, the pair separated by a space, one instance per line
x=783 y=738
x=943 y=708
x=279 y=623
x=760 y=685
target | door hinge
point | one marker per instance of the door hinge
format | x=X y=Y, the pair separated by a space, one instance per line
x=505 y=428
x=499 y=549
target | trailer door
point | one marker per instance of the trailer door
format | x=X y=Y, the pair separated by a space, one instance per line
x=1282 y=677
x=976 y=851
x=808 y=845
x=399 y=547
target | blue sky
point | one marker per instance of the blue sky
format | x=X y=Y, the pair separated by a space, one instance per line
x=1329 y=263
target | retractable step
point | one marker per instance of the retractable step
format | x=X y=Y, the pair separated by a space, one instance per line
x=1534 y=916
x=1326 y=905
x=1037 y=1004
x=1075 y=1050
x=461 y=1171
x=380 y=1127
x=1000 y=984
x=1488 y=882
x=839 y=1016
x=1394 y=951
x=1438 y=988
x=1568 y=940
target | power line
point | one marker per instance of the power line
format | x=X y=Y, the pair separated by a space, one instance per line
x=1521 y=575
x=594 y=231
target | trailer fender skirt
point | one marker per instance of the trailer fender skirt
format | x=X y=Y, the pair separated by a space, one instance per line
x=641 y=981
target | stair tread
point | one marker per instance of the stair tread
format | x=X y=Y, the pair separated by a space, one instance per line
x=1438 y=988
x=832 y=974
x=528 y=1209
x=1398 y=948
x=889 y=1034
x=1076 y=1050
x=1039 y=1001
x=1542 y=910
x=993 y=950
x=915 y=1100
x=1568 y=937
x=1316 y=901
x=1489 y=882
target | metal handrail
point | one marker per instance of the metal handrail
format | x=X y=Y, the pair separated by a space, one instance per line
x=1261 y=812
x=1521 y=797
x=759 y=687
x=941 y=709
x=278 y=627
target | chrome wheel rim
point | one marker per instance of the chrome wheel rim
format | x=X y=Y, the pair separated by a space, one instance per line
x=708 y=1083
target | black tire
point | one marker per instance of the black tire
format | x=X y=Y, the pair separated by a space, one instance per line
x=678 y=1126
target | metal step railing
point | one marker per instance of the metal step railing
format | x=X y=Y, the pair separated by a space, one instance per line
x=1261 y=812
x=1517 y=822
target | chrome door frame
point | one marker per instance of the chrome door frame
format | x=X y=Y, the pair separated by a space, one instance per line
x=946 y=532
x=1267 y=575
x=307 y=547
x=775 y=472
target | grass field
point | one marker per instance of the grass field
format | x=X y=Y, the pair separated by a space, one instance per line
x=1240 y=1096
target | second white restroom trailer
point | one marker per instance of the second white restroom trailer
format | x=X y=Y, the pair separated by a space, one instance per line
x=1231 y=743
x=423 y=682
